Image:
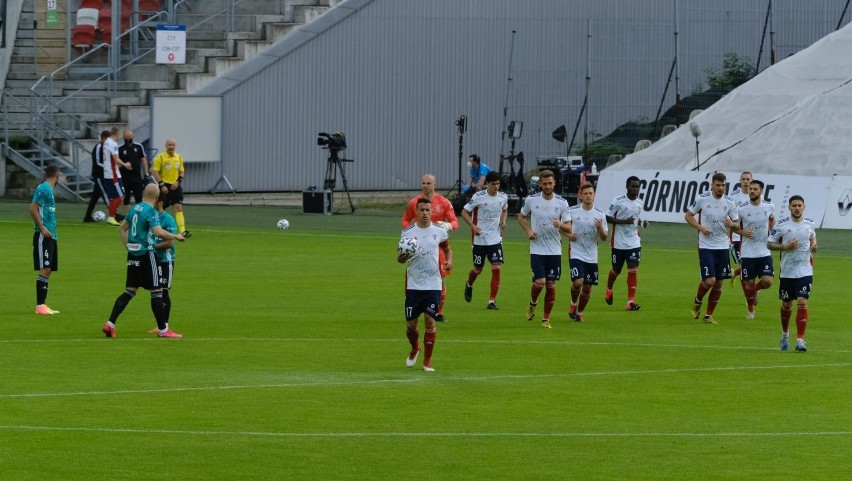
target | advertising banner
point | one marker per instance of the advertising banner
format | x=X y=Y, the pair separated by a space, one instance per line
x=666 y=194
x=838 y=212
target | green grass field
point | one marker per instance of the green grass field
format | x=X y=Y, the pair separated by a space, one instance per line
x=292 y=365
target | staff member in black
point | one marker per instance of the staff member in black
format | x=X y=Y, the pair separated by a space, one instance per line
x=134 y=179
x=97 y=177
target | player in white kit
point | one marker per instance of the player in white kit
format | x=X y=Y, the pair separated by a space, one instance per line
x=544 y=217
x=486 y=213
x=423 y=281
x=757 y=219
x=795 y=237
x=712 y=209
x=588 y=225
x=624 y=214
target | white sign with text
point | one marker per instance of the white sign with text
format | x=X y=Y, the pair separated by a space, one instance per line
x=666 y=194
x=171 y=44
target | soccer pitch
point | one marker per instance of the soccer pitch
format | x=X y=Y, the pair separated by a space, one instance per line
x=292 y=365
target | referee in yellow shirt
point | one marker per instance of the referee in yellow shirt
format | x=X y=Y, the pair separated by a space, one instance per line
x=168 y=171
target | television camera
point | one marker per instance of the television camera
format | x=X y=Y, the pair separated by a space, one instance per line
x=334 y=142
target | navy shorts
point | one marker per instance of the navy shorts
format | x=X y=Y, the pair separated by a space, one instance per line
x=630 y=256
x=714 y=263
x=419 y=302
x=494 y=254
x=584 y=270
x=546 y=267
x=735 y=248
x=112 y=190
x=791 y=288
x=45 y=252
x=142 y=271
x=756 y=267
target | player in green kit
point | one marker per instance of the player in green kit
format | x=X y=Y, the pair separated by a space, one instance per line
x=138 y=231
x=165 y=251
x=45 y=253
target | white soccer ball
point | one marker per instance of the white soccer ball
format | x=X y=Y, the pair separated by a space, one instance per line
x=99 y=216
x=407 y=246
x=283 y=224
x=444 y=225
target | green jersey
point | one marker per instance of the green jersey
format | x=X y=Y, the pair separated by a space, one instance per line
x=168 y=223
x=142 y=218
x=43 y=196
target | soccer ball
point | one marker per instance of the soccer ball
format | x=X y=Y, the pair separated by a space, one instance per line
x=98 y=216
x=407 y=246
x=283 y=224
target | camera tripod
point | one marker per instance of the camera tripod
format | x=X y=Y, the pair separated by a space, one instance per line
x=461 y=123
x=335 y=164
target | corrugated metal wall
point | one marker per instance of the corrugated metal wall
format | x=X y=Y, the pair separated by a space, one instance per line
x=396 y=74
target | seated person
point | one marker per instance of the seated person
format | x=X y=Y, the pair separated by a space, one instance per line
x=478 y=171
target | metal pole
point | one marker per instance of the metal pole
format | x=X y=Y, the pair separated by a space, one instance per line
x=67 y=29
x=588 y=89
x=677 y=63
x=771 y=35
x=134 y=34
x=503 y=127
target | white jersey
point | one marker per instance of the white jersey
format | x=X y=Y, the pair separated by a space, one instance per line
x=625 y=236
x=540 y=214
x=110 y=168
x=487 y=211
x=711 y=213
x=795 y=263
x=423 y=272
x=585 y=248
x=756 y=219
x=739 y=198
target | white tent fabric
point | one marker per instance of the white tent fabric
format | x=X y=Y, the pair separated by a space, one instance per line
x=793 y=118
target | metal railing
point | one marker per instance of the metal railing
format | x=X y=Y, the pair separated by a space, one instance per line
x=33 y=150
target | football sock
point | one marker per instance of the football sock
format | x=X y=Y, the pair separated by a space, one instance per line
x=113 y=206
x=429 y=343
x=495 y=281
x=167 y=303
x=610 y=281
x=120 y=303
x=159 y=310
x=801 y=320
x=180 y=222
x=699 y=296
x=749 y=295
x=549 y=299
x=632 y=279
x=413 y=335
x=585 y=295
x=472 y=275
x=575 y=294
x=785 y=318
x=713 y=299
x=535 y=290
x=41 y=290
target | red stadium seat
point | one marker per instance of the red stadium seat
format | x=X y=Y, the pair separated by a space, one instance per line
x=83 y=37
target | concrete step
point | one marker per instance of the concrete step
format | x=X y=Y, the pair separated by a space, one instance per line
x=249 y=49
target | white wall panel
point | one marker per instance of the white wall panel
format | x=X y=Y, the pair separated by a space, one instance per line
x=395 y=74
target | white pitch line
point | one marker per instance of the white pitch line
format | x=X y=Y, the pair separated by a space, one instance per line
x=274 y=434
x=414 y=380
x=530 y=342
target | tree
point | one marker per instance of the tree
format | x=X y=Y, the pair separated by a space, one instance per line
x=733 y=72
